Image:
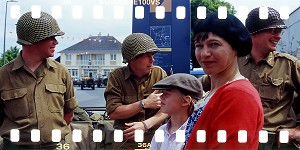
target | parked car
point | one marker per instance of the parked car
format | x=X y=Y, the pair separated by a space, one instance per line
x=104 y=81
x=101 y=82
x=98 y=82
x=197 y=72
x=87 y=82
x=76 y=81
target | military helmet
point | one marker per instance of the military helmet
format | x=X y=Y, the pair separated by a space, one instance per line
x=31 y=30
x=136 y=44
x=254 y=24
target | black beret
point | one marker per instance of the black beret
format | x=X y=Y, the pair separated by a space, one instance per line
x=185 y=82
x=231 y=29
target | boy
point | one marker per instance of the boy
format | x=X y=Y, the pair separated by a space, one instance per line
x=179 y=94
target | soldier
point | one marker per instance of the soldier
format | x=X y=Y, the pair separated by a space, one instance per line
x=275 y=75
x=129 y=98
x=36 y=92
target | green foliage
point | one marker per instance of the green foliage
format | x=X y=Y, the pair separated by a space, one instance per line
x=211 y=6
x=10 y=54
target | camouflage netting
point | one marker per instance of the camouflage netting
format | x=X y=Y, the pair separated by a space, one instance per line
x=31 y=30
x=136 y=44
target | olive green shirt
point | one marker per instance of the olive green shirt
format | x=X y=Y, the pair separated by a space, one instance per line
x=276 y=78
x=123 y=88
x=35 y=100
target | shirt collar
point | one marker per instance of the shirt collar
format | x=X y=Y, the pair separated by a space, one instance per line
x=50 y=63
x=269 y=59
x=182 y=127
x=245 y=59
x=128 y=73
x=19 y=62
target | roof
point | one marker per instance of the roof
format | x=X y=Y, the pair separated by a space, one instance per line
x=294 y=11
x=95 y=44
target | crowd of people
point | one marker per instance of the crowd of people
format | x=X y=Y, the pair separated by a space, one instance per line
x=248 y=86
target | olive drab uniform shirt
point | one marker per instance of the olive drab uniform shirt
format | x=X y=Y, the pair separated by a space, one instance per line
x=276 y=78
x=123 y=88
x=35 y=100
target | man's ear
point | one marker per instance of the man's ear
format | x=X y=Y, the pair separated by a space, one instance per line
x=187 y=100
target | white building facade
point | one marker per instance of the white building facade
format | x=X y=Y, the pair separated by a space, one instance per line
x=290 y=40
x=97 y=55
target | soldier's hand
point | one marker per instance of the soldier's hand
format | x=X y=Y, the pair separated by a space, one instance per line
x=129 y=132
x=294 y=133
x=153 y=100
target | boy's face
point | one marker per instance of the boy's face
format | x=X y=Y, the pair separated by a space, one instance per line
x=171 y=101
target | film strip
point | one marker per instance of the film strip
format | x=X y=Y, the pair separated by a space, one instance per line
x=118 y=14
x=159 y=136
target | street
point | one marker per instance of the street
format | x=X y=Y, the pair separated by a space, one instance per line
x=90 y=98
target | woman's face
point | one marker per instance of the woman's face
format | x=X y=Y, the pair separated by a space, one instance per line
x=214 y=54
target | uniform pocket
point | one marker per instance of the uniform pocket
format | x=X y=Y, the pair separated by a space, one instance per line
x=271 y=89
x=14 y=98
x=55 y=94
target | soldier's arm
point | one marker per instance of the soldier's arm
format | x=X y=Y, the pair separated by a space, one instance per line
x=126 y=111
x=156 y=120
x=2 y=113
x=296 y=76
x=294 y=133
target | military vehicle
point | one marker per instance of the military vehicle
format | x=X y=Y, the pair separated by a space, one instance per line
x=88 y=82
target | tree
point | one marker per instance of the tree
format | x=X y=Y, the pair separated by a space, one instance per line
x=10 y=54
x=211 y=6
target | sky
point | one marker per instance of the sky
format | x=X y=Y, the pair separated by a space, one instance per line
x=77 y=29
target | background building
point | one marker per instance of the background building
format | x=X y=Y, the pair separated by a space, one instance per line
x=98 y=55
x=290 y=41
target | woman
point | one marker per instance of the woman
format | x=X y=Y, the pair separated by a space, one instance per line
x=232 y=104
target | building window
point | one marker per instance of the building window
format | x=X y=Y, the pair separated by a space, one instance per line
x=68 y=57
x=100 y=59
x=106 y=72
x=88 y=72
x=113 y=57
x=85 y=59
x=73 y=72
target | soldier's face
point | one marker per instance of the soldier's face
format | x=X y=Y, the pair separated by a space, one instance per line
x=143 y=63
x=267 y=39
x=46 y=47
